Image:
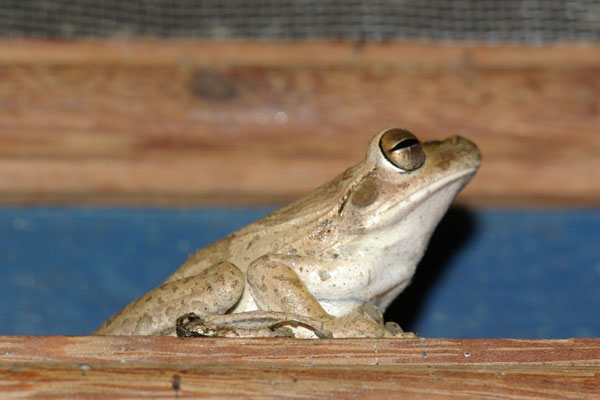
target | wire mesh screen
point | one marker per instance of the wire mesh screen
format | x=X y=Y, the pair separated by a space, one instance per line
x=488 y=20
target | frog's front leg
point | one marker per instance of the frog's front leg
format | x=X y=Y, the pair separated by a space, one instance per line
x=275 y=286
x=213 y=291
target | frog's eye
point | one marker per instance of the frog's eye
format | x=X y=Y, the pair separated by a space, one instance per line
x=402 y=149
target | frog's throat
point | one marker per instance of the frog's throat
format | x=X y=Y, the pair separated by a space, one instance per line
x=416 y=198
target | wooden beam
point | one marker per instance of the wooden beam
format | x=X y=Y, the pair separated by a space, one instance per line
x=200 y=122
x=157 y=367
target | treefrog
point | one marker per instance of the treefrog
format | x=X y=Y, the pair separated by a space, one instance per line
x=326 y=265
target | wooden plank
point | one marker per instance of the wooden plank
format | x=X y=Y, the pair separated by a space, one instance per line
x=157 y=367
x=192 y=122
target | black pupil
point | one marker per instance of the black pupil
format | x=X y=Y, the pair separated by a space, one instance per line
x=404 y=144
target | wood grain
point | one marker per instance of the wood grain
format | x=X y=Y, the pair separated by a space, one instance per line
x=163 y=367
x=184 y=122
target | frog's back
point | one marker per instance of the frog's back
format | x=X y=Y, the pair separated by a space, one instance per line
x=275 y=233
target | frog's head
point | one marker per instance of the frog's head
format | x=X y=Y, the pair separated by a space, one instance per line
x=404 y=187
x=392 y=203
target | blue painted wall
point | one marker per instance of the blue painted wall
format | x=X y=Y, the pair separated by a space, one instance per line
x=487 y=273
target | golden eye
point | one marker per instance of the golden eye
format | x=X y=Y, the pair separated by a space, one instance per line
x=402 y=149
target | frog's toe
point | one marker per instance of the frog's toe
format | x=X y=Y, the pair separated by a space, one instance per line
x=393 y=327
x=397 y=331
x=374 y=312
x=311 y=328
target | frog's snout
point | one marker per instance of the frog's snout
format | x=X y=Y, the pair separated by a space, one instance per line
x=455 y=152
x=467 y=148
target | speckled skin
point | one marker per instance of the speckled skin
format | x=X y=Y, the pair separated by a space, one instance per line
x=353 y=241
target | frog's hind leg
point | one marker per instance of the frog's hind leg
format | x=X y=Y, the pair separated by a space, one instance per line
x=213 y=291
x=286 y=307
x=251 y=324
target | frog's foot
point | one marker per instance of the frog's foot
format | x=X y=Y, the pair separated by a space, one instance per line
x=365 y=321
x=251 y=324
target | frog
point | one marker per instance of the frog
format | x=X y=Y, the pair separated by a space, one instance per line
x=328 y=264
